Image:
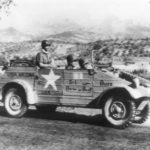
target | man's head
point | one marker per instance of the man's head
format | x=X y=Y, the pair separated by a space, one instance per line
x=81 y=62
x=45 y=44
x=69 y=59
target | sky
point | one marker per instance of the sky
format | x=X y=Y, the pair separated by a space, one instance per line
x=32 y=15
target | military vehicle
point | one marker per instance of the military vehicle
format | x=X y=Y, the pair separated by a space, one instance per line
x=122 y=101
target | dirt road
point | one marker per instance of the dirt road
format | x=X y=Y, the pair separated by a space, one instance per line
x=67 y=131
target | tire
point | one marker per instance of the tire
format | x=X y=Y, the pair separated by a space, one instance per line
x=46 y=109
x=119 y=112
x=142 y=116
x=14 y=103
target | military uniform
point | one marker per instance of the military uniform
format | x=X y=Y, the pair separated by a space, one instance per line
x=44 y=57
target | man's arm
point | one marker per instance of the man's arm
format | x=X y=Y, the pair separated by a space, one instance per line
x=46 y=65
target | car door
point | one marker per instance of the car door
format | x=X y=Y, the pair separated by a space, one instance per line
x=49 y=85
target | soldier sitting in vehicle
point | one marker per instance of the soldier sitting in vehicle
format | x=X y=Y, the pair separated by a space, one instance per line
x=70 y=62
x=86 y=66
x=82 y=64
x=44 y=58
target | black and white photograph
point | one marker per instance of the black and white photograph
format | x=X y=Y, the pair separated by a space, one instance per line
x=74 y=74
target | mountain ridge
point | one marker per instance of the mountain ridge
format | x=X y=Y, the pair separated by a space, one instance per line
x=70 y=31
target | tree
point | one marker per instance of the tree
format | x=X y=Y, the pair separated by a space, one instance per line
x=5 y=5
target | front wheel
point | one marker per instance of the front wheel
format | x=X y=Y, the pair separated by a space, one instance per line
x=14 y=103
x=119 y=112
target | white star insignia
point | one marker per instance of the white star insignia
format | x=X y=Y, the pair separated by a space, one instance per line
x=51 y=79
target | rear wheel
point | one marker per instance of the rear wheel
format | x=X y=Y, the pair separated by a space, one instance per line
x=14 y=103
x=143 y=115
x=119 y=112
x=46 y=109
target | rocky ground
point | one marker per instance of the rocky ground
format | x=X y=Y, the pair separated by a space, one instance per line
x=68 y=131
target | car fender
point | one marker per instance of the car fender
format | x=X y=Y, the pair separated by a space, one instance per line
x=28 y=88
x=134 y=93
x=140 y=95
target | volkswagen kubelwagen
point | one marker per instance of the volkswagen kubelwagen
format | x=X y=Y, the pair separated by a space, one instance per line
x=123 y=102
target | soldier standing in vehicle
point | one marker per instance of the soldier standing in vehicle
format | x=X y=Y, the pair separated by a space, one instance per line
x=44 y=58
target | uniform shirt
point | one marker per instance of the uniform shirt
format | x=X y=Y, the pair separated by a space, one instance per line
x=45 y=58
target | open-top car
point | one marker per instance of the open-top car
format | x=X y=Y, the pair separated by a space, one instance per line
x=122 y=102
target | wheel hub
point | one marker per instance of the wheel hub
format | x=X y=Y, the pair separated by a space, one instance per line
x=117 y=110
x=15 y=102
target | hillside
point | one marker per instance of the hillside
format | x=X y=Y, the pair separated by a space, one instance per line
x=105 y=48
x=123 y=48
x=73 y=37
